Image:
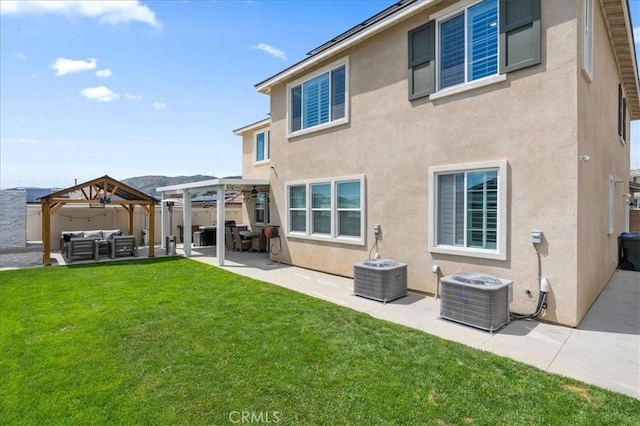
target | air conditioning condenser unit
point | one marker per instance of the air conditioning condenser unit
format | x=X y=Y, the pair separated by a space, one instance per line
x=477 y=300
x=380 y=279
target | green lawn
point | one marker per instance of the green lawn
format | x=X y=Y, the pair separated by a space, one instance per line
x=174 y=341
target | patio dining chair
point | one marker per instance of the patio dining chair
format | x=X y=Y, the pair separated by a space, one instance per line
x=240 y=243
x=228 y=238
x=259 y=243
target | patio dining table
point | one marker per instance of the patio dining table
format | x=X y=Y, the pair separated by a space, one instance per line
x=208 y=235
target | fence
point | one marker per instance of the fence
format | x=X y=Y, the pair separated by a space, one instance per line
x=85 y=218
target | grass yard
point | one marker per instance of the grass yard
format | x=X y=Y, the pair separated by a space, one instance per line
x=174 y=341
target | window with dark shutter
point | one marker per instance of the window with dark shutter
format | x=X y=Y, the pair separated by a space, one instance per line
x=422 y=72
x=519 y=34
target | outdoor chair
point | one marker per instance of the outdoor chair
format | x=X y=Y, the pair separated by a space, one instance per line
x=80 y=248
x=228 y=238
x=259 y=243
x=125 y=245
x=240 y=243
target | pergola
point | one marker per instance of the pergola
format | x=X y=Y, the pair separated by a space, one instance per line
x=217 y=186
x=103 y=190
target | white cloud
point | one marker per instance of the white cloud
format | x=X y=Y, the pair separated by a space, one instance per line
x=636 y=34
x=159 y=105
x=24 y=141
x=132 y=97
x=103 y=73
x=273 y=51
x=69 y=66
x=21 y=56
x=100 y=94
x=106 y=12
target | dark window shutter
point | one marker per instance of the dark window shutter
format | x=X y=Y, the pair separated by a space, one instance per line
x=296 y=108
x=519 y=34
x=622 y=114
x=624 y=119
x=422 y=54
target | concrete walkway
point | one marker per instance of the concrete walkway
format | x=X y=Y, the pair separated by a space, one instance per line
x=604 y=350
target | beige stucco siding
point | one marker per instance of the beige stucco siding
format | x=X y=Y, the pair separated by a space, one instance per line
x=529 y=120
x=598 y=138
x=540 y=121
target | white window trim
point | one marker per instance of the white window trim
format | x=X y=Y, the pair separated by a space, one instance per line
x=267 y=145
x=333 y=237
x=443 y=15
x=587 y=39
x=611 y=190
x=340 y=62
x=500 y=253
x=454 y=9
x=454 y=90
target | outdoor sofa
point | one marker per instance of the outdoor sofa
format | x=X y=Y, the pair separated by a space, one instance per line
x=89 y=244
x=106 y=234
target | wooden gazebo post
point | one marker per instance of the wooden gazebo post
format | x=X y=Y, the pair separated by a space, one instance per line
x=151 y=232
x=46 y=232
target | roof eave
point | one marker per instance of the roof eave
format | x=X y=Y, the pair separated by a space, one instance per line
x=402 y=14
x=620 y=29
x=252 y=126
x=212 y=184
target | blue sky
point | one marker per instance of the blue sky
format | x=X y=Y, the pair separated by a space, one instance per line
x=152 y=87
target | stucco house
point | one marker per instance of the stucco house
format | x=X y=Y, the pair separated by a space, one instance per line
x=458 y=127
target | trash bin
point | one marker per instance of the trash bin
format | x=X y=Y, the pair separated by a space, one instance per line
x=144 y=238
x=170 y=244
x=629 y=251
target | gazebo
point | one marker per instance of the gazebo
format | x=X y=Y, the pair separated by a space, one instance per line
x=102 y=190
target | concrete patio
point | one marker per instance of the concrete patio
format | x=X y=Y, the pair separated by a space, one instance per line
x=604 y=350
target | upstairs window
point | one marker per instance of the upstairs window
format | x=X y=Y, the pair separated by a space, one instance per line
x=466 y=44
x=320 y=100
x=468 y=48
x=262 y=146
x=587 y=38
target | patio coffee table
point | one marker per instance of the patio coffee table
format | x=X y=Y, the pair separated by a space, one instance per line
x=97 y=245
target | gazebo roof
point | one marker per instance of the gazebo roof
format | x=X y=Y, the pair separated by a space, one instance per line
x=92 y=191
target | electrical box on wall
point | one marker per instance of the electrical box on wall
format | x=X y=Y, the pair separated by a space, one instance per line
x=536 y=237
x=376 y=229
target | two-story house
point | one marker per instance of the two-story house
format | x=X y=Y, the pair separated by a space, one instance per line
x=458 y=127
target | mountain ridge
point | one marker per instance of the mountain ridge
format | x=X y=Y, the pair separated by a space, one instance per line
x=149 y=183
